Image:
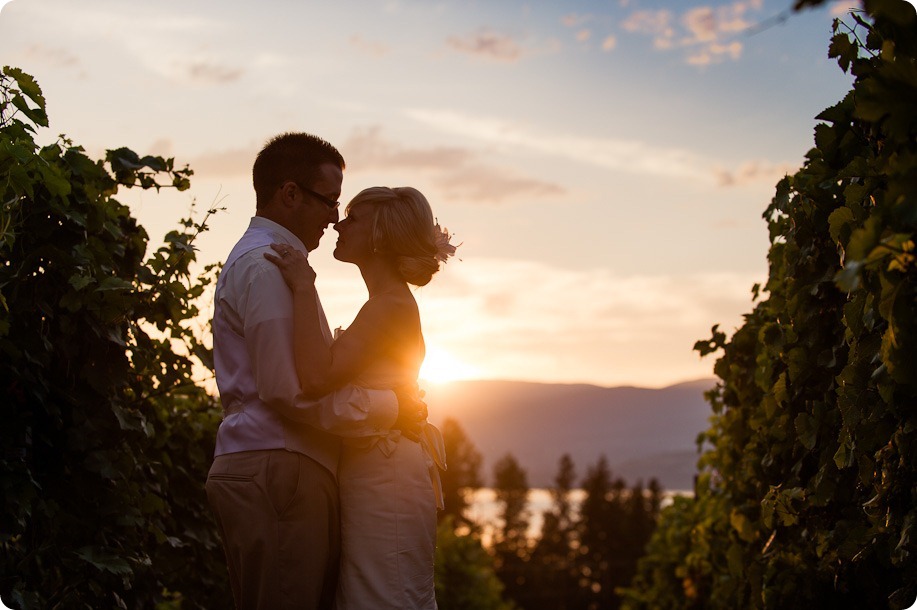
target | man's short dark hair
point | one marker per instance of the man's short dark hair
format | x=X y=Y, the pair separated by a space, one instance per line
x=290 y=156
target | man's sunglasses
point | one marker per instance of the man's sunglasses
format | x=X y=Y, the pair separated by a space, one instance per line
x=331 y=203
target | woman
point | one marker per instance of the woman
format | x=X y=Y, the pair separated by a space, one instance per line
x=389 y=485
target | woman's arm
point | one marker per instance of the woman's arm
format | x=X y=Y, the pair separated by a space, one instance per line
x=311 y=352
x=322 y=368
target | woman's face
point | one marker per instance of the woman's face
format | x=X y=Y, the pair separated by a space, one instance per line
x=355 y=235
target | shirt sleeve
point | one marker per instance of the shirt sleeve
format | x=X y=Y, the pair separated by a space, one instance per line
x=267 y=314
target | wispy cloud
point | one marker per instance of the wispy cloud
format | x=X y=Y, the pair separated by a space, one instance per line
x=172 y=45
x=705 y=34
x=208 y=71
x=373 y=48
x=161 y=147
x=56 y=56
x=369 y=149
x=631 y=156
x=509 y=314
x=487 y=44
x=572 y=20
x=586 y=27
x=227 y=163
x=461 y=173
x=467 y=173
x=751 y=172
x=486 y=184
x=839 y=8
x=657 y=24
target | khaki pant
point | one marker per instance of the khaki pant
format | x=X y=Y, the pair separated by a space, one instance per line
x=279 y=516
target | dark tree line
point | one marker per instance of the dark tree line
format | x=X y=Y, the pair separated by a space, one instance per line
x=584 y=550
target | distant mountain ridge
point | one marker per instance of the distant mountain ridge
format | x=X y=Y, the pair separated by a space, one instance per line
x=643 y=433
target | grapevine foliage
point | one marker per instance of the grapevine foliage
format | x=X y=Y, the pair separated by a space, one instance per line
x=106 y=439
x=807 y=494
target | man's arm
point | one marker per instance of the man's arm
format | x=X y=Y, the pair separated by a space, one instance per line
x=351 y=411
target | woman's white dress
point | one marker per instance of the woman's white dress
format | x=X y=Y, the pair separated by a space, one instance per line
x=390 y=490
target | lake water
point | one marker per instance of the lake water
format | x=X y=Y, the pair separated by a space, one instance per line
x=484 y=509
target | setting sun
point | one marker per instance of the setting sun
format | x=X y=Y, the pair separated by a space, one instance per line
x=440 y=366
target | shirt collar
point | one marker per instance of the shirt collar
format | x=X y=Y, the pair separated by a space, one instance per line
x=283 y=234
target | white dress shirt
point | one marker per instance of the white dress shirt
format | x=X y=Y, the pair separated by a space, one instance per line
x=263 y=406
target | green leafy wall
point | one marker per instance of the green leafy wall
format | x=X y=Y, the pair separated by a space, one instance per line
x=807 y=493
x=106 y=438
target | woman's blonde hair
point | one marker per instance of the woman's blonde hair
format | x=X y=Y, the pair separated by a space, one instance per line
x=403 y=229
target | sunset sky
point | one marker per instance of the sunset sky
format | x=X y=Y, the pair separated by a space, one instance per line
x=605 y=164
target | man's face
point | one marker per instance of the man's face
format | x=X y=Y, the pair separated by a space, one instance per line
x=311 y=216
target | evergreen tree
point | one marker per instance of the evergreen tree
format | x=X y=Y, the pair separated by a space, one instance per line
x=645 y=513
x=563 y=485
x=511 y=544
x=597 y=518
x=461 y=476
x=640 y=509
x=553 y=559
x=465 y=577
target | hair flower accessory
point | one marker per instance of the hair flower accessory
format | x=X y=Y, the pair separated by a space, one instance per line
x=441 y=238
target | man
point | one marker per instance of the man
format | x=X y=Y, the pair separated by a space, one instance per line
x=272 y=484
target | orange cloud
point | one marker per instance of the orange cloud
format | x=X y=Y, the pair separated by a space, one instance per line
x=701 y=23
x=584 y=34
x=57 y=56
x=212 y=73
x=572 y=20
x=460 y=173
x=161 y=147
x=487 y=45
x=752 y=172
x=842 y=7
x=486 y=184
x=705 y=33
x=369 y=47
x=714 y=53
x=227 y=163
x=631 y=156
x=654 y=23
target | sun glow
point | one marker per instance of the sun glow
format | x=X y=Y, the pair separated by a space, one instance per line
x=440 y=366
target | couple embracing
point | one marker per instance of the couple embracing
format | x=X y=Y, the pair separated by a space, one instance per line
x=325 y=481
